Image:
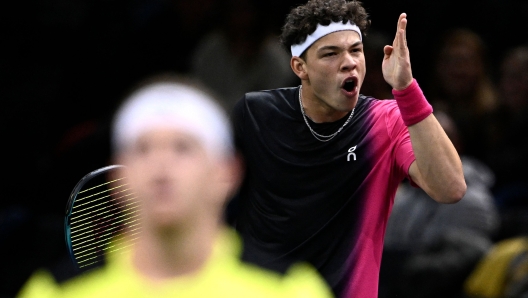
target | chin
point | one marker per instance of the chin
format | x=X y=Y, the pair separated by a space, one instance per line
x=164 y=214
x=349 y=104
x=164 y=222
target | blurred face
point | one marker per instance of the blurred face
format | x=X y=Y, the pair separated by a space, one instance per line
x=459 y=69
x=335 y=66
x=514 y=82
x=175 y=180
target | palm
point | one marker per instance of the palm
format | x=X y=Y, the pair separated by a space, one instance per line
x=396 y=64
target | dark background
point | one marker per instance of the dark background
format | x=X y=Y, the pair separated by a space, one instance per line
x=66 y=63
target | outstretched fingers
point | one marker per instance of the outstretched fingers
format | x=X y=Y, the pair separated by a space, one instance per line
x=402 y=30
x=400 y=39
x=402 y=22
x=396 y=64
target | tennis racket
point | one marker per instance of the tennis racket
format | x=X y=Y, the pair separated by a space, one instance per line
x=101 y=208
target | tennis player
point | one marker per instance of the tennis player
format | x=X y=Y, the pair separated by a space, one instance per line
x=324 y=162
x=176 y=145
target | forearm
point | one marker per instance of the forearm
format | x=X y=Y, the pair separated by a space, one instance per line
x=437 y=169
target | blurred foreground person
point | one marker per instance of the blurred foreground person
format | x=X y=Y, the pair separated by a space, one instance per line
x=175 y=143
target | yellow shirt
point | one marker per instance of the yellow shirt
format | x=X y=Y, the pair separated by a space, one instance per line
x=224 y=275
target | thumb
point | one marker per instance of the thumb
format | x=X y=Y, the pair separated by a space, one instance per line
x=387 y=50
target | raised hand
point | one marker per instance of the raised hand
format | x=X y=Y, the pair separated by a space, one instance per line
x=396 y=64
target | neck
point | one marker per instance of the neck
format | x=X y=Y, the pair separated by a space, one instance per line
x=318 y=110
x=169 y=252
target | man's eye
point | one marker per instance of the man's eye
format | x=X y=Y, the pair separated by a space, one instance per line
x=329 y=54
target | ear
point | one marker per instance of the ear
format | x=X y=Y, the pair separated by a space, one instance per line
x=298 y=65
x=229 y=175
x=235 y=173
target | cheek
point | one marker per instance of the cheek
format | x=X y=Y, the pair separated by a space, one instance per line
x=362 y=65
x=137 y=180
x=196 y=175
x=321 y=79
x=322 y=70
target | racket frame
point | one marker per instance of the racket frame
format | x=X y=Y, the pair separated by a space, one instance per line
x=71 y=201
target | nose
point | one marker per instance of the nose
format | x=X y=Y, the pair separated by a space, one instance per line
x=349 y=62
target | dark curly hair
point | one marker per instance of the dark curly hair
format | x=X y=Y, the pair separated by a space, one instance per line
x=303 y=20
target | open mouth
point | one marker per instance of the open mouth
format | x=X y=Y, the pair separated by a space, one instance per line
x=349 y=85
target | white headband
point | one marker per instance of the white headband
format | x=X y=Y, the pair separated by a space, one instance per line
x=321 y=31
x=173 y=105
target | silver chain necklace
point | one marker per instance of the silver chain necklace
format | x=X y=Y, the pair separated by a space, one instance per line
x=321 y=137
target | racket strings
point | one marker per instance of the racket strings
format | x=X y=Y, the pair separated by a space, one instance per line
x=108 y=212
x=103 y=212
x=110 y=195
x=85 y=233
x=101 y=185
x=109 y=249
x=96 y=248
x=100 y=240
x=125 y=216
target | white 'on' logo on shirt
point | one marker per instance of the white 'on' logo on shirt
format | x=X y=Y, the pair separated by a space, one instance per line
x=351 y=153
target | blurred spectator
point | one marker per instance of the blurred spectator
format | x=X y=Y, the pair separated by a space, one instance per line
x=502 y=273
x=374 y=84
x=177 y=148
x=462 y=87
x=506 y=142
x=431 y=248
x=240 y=55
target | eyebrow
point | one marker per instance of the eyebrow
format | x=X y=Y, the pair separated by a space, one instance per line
x=357 y=43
